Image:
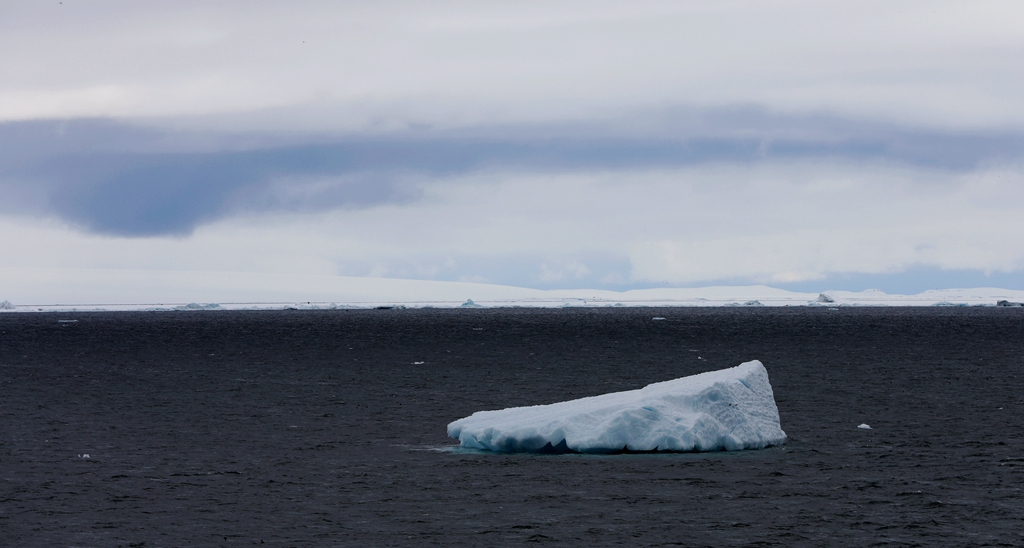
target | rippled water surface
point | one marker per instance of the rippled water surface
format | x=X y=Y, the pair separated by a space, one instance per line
x=327 y=428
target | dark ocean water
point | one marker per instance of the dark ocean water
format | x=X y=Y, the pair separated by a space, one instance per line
x=321 y=428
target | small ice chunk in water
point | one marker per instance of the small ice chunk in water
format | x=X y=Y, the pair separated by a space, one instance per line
x=729 y=409
x=863 y=427
x=470 y=304
x=657 y=318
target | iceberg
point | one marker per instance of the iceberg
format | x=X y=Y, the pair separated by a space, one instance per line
x=7 y=305
x=197 y=306
x=730 y=409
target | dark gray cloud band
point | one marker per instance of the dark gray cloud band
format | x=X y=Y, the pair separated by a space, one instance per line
x=118 y=178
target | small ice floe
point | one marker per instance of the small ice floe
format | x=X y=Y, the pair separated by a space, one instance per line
x=863 y=426
x=998 y=303
x=418 y=363
x=83 y=456
x=657 y=318
x=66 y=321
x=470 y=304
x=730 y=409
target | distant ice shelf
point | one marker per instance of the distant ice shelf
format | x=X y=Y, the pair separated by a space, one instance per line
x=730 y=409
x=81 y=290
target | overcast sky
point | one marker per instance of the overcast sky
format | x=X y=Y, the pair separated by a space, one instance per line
x=804 y=145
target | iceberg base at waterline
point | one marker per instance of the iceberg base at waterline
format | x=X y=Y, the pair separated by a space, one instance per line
x=729 y=409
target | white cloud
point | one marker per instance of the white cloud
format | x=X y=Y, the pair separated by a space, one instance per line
x=569 y=269
x=390 y=64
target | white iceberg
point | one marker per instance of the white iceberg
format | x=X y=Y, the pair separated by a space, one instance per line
x=730 y=409
x=197 y=306
x=7 y=305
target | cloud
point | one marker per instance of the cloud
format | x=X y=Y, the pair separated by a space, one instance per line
x=569 y=145
x=780 y=222
x=357 y=66
x=119 y=178
x=562 y=270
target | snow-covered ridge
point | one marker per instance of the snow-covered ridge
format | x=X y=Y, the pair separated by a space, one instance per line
x=730 y=409
x=84 y=289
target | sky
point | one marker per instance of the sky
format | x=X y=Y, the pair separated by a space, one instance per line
x=802 y=145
